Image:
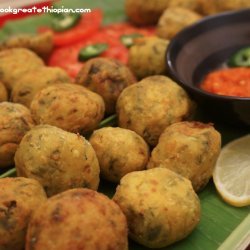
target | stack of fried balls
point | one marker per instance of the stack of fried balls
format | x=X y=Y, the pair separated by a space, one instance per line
x=52 y=130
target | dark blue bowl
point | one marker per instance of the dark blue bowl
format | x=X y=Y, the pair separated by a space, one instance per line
x=205 y=47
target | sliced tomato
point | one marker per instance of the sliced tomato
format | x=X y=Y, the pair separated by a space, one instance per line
x=67 y=57
x=118 y=52
x=88 y=25
x=119 y=29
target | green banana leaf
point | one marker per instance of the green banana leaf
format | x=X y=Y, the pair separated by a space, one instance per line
x=218 y=220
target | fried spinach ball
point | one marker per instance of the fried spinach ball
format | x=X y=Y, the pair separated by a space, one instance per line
x=19 y=198
x=16 y=62
x=145 y=12
x=41 y=44
x=58 y=159
x=68 y=106
x=151 y=105
x=194 y=5
x=15 y=121
x=216 y=6
x=3 y=93
x=107 y=77
x=175 y=19
x=119 y=151
x=79 y=219
x=189 y=149
x=147 y=56
x=33 y=81
x=161 y=206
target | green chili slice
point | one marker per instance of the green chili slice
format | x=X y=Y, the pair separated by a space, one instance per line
x=91 y=51
x=65 y=21
x=240 y=59
x=128 y=40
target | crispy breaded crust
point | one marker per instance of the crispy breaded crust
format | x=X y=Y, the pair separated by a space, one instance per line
x=16 y=62
x=58 y=159
x=173 y=20
x=107 y=77
x=3 y=93
x=68 y=106
x=35 y=80
x=161 y=207
x=19 y=198
x=145 y=12
x=78 y=219
x=41 y=44
x=15 y=121
x=147 y=56
x=189 y=149
x=151 y=105
x=119 y=151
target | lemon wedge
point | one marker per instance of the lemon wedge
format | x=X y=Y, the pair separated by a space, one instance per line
x=232 y=172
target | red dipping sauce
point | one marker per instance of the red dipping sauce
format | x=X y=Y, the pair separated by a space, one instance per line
x=230 y=82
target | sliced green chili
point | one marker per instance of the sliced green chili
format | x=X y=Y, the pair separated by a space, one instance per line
x=128 y=40
x=91 y=51
x=65 y=21
x=240 y=59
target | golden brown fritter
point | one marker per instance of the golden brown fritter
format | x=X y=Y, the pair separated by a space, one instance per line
x=16 y=62
x=68 y=106
x=3 y=93
x=107 y=77
x=58 y=159
x=15 y=121
x=41 y=44
x=216 y=6
x=33 y=81
x=19 y=198
x=189 y=149
x=209 y=7
x=175 y=19
x=161 y=207
x=151 y=105
x=119 y=151
x=194 y=5
x=79 y=219
x=147 y=56
x=145 y=12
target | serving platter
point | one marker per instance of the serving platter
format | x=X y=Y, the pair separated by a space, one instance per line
x=218 y=219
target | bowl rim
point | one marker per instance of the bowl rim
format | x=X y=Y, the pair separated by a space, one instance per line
x=204 y=21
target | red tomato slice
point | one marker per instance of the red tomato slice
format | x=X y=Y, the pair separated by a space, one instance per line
x=118 y=29
x=67 y=57
x=88 y=25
